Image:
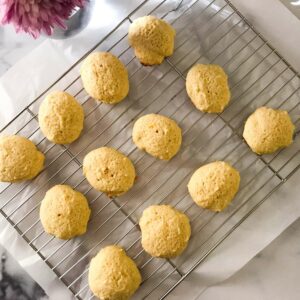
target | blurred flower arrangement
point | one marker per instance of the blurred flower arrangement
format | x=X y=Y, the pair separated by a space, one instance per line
x=37 y=16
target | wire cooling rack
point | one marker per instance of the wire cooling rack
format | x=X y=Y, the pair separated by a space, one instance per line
x=207 y=32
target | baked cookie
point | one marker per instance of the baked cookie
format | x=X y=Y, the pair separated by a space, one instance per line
x=207 y=86
x=109 y=171
x=19 y=159
x=104 y=77
x=268 y=130
x=113 y=275
x=152 y=39
x=214 y=185
x=64 y=212
x=157 y=135
x=165 y=231
x=61 y=118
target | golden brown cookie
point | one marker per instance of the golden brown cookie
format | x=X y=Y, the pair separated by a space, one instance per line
x=214 y=185
x=61 y=118
x=19 y=159
x=268 y=130
x=109 y=171
x=207 y=86
x=104 y=77
x=157 y=135
x=165 y=231
x=152 y=39
x=113 y=275
x=64 y=212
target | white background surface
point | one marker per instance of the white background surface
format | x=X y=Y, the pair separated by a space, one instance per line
x=274 y=272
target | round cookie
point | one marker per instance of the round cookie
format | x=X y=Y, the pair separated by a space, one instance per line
x=113 y=275
x=64 y=212
x=109 y=171
x=207 y=86
x=61 y=118
x=104 y=77
x=19 y=159
x=152 y=39
x=165 y=231
x=268 y=130
x=157 y=135
x=214 y=185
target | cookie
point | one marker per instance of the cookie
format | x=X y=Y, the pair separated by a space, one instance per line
x=109 y=171
x=268 y=130
x=113 y=275
x=19 y=159
x=61 y=118
x=157 y=135
x=64 y=212
x=165 y=231
x=104 y=77
x=207 y=87
x=152 y=39
x=214 y=185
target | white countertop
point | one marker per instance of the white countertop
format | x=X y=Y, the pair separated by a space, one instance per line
x=273 y=273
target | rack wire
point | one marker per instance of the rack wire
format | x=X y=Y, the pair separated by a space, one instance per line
x=208 y=31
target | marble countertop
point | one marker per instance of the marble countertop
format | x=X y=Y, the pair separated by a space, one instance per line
x=15 y=283
x=14 y=47
x=272 y=274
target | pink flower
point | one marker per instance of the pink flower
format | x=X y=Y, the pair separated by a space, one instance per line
x=36 y=16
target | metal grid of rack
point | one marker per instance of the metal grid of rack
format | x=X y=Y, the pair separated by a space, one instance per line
x=208 y=31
